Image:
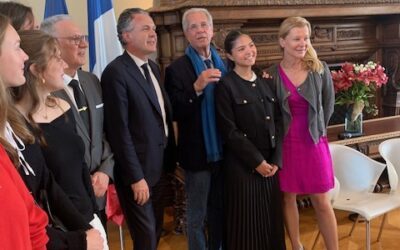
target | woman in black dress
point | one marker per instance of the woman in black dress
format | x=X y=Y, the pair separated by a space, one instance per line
x=52 y=121
x=248 y=117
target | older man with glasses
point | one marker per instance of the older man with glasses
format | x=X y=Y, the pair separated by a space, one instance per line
x=83 y=92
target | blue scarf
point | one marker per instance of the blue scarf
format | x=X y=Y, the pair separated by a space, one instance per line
x=212 y=139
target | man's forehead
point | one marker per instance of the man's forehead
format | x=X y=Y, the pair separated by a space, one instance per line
x=143 y=18
x=67 y=28
x=196 y=17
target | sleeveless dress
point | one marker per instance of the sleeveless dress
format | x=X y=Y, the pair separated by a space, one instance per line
x=306 y=166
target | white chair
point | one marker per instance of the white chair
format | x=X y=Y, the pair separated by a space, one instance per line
x=358 y=175
x=390 y=151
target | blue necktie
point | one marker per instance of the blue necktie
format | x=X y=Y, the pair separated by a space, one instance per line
x=208 y=63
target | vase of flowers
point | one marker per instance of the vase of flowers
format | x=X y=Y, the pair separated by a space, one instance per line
x=355 y=85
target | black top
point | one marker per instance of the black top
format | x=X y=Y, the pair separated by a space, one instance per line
x=64 y=155
x=59 y=203
x=249 y=120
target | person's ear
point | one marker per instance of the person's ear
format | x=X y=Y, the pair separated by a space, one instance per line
x=282 y=42
x=230 y=57
x=34 y=70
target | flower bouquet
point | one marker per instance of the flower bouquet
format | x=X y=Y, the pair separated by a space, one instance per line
x=354 y=85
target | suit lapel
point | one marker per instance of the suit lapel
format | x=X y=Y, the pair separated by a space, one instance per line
x=79 y=123
x=90 y=100
x=135 y=72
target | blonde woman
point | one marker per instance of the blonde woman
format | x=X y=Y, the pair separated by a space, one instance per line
x=305 y=92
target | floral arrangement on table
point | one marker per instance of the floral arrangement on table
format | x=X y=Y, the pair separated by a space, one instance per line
x=355 y=84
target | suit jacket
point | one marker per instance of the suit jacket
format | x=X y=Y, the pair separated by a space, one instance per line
x=179 y=78
x=134 y=123
x=98 y=155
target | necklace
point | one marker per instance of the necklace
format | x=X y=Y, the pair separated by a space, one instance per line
x=45 y=115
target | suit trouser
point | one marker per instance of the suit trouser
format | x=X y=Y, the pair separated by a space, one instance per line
x=144 y=222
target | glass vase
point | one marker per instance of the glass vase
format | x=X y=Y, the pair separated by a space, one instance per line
x=353 y=125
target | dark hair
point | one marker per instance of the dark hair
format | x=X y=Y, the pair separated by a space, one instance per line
x=229 y=42
x=18 y=13
x=125 y=21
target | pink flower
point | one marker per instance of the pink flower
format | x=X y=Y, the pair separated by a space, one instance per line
x=356 y=82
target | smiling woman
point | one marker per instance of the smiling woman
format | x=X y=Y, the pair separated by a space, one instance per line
x=247 y=118
x=306 y=96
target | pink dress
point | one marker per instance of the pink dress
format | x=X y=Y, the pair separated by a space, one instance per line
x=306 y=166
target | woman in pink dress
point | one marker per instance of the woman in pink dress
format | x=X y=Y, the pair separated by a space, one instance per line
x=305 y=92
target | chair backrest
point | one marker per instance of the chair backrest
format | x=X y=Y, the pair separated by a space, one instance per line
x=355 y=171
x=390 y=151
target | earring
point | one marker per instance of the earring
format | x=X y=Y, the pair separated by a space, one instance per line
x=43 y=81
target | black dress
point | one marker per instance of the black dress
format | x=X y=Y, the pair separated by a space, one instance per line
x=64 y=155
x=59 y=203
x=248 y=118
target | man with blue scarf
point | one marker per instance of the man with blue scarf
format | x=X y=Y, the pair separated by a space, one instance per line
x=190 y=81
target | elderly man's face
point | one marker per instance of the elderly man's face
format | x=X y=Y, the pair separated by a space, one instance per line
x=73 y=44
x=199 y=31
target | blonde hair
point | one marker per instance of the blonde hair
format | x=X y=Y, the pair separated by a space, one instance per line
x=310 y=60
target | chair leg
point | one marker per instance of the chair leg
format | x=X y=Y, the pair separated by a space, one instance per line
x=368 y=235
x=316 y=240
x=354 y=225
x=381 y=229
x=121 y=237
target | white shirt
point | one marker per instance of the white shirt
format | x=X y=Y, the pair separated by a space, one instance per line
x=139 y=62
x=68 y=89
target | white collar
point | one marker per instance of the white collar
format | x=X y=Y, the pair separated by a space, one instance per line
x=68 y=79
x=139 y=62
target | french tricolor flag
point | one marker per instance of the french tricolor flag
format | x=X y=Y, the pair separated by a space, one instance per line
x=103 y=40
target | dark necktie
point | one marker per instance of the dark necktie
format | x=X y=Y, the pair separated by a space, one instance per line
x=208 y=63
x=149 y=81
x=81 y=103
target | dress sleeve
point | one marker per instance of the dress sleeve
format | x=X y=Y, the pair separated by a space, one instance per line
x=328 y=94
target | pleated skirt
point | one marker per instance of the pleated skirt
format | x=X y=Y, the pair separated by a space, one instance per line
x=253 y=211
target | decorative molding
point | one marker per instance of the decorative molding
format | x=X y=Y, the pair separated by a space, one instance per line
x=322 y=34
x=182 y=3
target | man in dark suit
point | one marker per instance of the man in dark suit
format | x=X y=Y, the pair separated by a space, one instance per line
x=138 y=126
x=86 y=97
x=189 y=81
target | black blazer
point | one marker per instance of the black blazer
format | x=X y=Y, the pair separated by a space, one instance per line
x=250 y=122
x=179 y=78
x=133 y=122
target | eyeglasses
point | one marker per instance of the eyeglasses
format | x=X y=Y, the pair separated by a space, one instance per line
x=76 y=39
